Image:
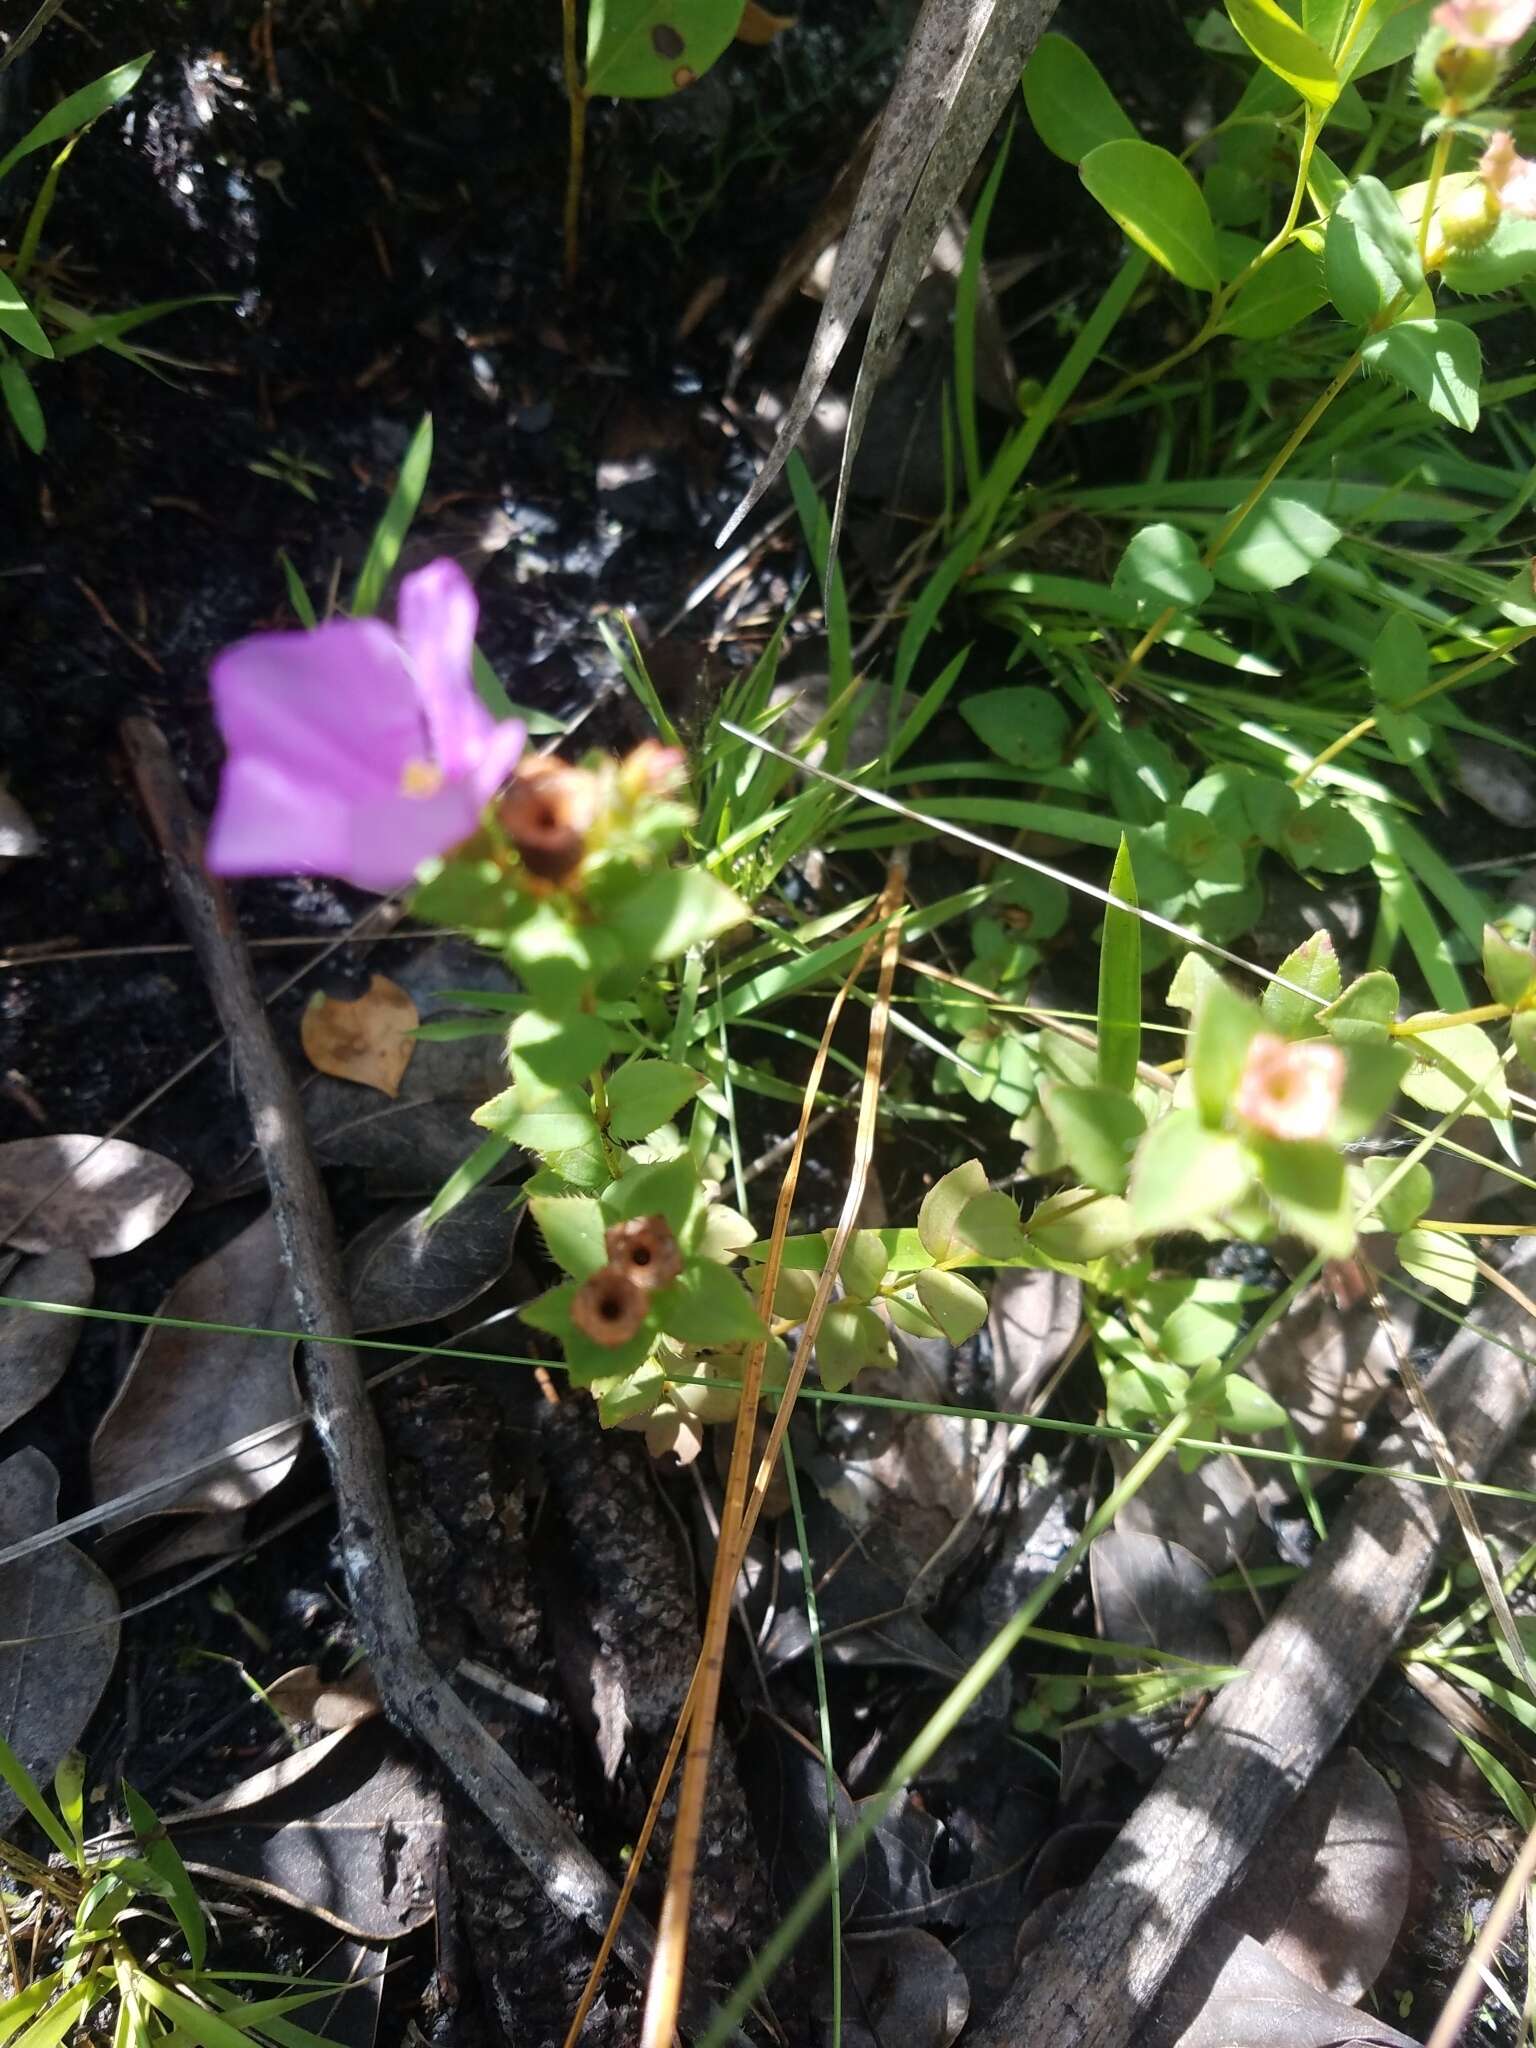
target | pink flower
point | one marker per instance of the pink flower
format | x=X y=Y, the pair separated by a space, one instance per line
x=1510 y=176
x=357 y=750
x=1290 y=1091
x=1485 y=24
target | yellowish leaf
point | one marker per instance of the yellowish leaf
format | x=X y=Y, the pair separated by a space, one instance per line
x=368 y=1041
x=758 y=26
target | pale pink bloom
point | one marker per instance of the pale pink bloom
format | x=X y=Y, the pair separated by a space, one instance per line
x=1485 y=24
x=1288 y=1090
x=1510 y=176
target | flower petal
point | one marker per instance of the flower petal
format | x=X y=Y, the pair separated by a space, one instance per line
x=389 y=839
x=268 y=822
x=502 y=751
x=437 y=614
x=335 y=708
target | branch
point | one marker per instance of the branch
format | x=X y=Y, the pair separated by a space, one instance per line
x=1095 y=1980
x=416 y=1695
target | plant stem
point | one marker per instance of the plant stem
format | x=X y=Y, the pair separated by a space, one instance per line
x=1421 y=1027
x=576 y=95
x=1437 y=164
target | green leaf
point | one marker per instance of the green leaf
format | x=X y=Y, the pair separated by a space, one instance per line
x=908 y=1315
x=69 y=1792
x=560 y=1052
x=1440 y=361
x=25 y=1788
x=1509 y=970
x=1219 y=1037
x=52 y=2025
x=1119 y=1019
x=389 y=534
x=669 y=1188
x=990 y=1226
x=162 y=1856
x=1405 y=1204
x=107 y=329
x=1159 y=205
x=1324 y=836
x=1365 y=1013
x=1286 y=50
x=1372 y=1079
x=1079 y=1224
x=1441 y=1259
x=707 y=1305
x=647 y=1094
x=1370 y=259
x=647 y=49
x=1313 y=966
x=1242 y=1407
x=1161 y=566
x=554 y=961
x=673 y=909
x=540 y=1119
x=1025 y=727
x=956 y=1304
x=1522 y=1029
x=1307 y=1184
x=1447 y=1063
x=1507 y=258
x=1072 y=109
x=1098 y=1129
x=1191 y=979
x=1185 y=1172
x=19 y=321
x=852 y=1337
x=1399 y=661
x=572 y=1227
x=1279 y=541
x=1288 y=290
x=864 y=1266
x=76 y=109
x=938 y=1218
x=21 y=403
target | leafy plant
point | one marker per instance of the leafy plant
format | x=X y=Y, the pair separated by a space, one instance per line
x=43 y=321
x=117 y=1938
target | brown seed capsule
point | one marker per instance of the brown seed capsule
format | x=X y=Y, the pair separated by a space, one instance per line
x=644 y=1251
x=609 y=1308
x=547 y=814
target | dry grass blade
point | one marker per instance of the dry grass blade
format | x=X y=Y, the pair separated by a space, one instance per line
x=922 y=110
x=747 y=1521
x=663 y=1994
x=1468 y=1988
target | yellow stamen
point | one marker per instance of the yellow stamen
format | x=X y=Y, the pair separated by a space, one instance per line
x=420 y=778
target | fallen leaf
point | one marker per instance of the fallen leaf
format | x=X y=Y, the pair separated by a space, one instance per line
x=1034 y=1316
x=1254 y=2001
x=785 y=1782
x=190 y=1392
x=368 y=1041
x=1148 y=1590
x=758 y=27
x=399 y=1271
x=1328 y=1892
x=1327 y=1368
x=49 y=1688
x=1212 y=1511
x=906 y=1988
x=348 y=1830
x=19 y=837
x=35 y=1347
x=329 y=1703
x=113 y=1195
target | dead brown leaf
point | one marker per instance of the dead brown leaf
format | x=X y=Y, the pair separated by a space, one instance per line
x=368 y=1041
x=35 y=1347
x=190 y=1392
x=758 y=27
x=48 y=1688
x=329 y=1703
x=113 y=1195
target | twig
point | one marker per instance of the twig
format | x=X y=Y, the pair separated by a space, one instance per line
x=415 y=1694
x=1264 y=1736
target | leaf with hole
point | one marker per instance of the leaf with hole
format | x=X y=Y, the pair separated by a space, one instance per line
x=647 y=49
x=1158 y=204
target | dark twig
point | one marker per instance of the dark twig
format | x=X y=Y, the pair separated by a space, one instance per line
x=1105 y=1963
x=415 y=1694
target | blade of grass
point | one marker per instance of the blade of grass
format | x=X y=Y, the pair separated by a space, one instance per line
x=389 y=534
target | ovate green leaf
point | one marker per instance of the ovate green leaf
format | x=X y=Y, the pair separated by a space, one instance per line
x=1072 y=109
x=1159 y=205
x=1439 y=361
x=646 y=49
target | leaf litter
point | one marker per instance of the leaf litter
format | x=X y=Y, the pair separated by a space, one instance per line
x=369 y=1041
x=96 y=1196
x=36 y=1347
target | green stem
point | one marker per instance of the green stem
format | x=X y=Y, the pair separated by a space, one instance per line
x=1419 y=1027
x=1437 y=164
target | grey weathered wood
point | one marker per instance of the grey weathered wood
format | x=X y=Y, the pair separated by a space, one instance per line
x=416 y=1695
x=1099 y=1974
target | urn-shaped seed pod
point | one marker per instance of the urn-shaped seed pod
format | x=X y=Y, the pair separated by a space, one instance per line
x=547 y=814
x=609 y=1308
x=644 y=1251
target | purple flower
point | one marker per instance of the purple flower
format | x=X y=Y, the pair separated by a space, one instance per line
x=357 y=750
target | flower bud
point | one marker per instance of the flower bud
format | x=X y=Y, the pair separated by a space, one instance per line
x=653 y=771
x=547 y=814
x=644 y=1251
x=609 y=1308
x=1449 y=72
x=1467 y=219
